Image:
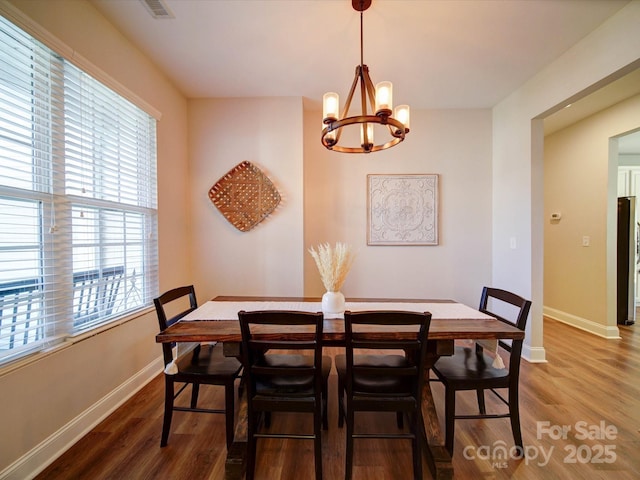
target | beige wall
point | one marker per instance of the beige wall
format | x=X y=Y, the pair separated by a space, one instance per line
x=52 y=399
x=456 y=145
x=266 y=260
x=576 y=172
x=324 y=199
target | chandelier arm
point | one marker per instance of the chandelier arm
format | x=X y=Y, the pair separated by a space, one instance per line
x=366 y=143
x=396 y=128
x=345 y=112
x=371 y=90
x=363 y=90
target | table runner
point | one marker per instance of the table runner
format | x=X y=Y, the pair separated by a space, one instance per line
x=223 y=310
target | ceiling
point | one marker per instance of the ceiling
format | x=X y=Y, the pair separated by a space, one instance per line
x=438 y=53
x=602 y=98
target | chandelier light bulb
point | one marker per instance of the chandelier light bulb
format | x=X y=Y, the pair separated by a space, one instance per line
x=402 y=114
x=384 y=98
x=366 y=141
x=330 y=107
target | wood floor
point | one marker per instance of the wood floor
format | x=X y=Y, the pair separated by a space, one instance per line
x=590 y=386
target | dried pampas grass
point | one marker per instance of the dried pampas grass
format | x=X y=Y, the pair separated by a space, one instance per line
x=333 y=264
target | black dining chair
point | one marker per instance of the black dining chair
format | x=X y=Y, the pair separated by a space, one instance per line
x=197 y=365
x=278 y=380
x=470 y=368
x=384 y=375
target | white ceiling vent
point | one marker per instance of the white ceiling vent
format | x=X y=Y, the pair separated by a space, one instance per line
x=158 y=9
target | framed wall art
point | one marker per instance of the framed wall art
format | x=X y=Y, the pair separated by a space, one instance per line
x=402 y=209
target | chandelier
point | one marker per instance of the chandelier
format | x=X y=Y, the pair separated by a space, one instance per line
x=378 y=101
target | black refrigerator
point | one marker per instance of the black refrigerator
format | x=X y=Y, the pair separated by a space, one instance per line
x=627 y=258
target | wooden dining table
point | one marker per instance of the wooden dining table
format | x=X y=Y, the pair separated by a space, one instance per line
x=215 y=321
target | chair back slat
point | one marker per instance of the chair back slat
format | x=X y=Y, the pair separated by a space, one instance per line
x=181 y=300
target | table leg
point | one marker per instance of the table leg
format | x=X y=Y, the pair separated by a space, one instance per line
x=436 y=455
x=236 y=463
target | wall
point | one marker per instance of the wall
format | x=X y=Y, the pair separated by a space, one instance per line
x=324 y=199
x=518 y=144
x=336 y=208
x=576 y=169
x=54 y=398
x=266 y=260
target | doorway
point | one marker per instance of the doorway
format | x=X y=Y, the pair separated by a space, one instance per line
x=628 y=278
x=580 y=189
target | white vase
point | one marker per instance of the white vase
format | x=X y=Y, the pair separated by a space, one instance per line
x=333 y=303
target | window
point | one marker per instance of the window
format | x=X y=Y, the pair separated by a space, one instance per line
x=78 y=201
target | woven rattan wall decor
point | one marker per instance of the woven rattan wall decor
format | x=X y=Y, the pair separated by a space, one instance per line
x=245 y=196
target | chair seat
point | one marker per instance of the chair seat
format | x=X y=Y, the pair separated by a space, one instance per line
x=380 y=384
x=208 y=360
x=467 y=365
x=290 y=385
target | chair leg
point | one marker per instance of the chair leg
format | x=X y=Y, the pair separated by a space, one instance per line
x=317 y=441
x=348 y=469
x=514 y=415
x=251 y=445
x=416 y=420
x=481 y=405
x=195 y=389
x=325 y=402
x=449 y=413
x=340 y=403
x=229 y=411
x=168 y=410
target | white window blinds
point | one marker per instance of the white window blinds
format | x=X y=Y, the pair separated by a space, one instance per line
x=78 y=201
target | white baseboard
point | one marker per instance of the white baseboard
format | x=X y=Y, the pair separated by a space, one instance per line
x=41 y=456
x=606 y=331
x=533 y=354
